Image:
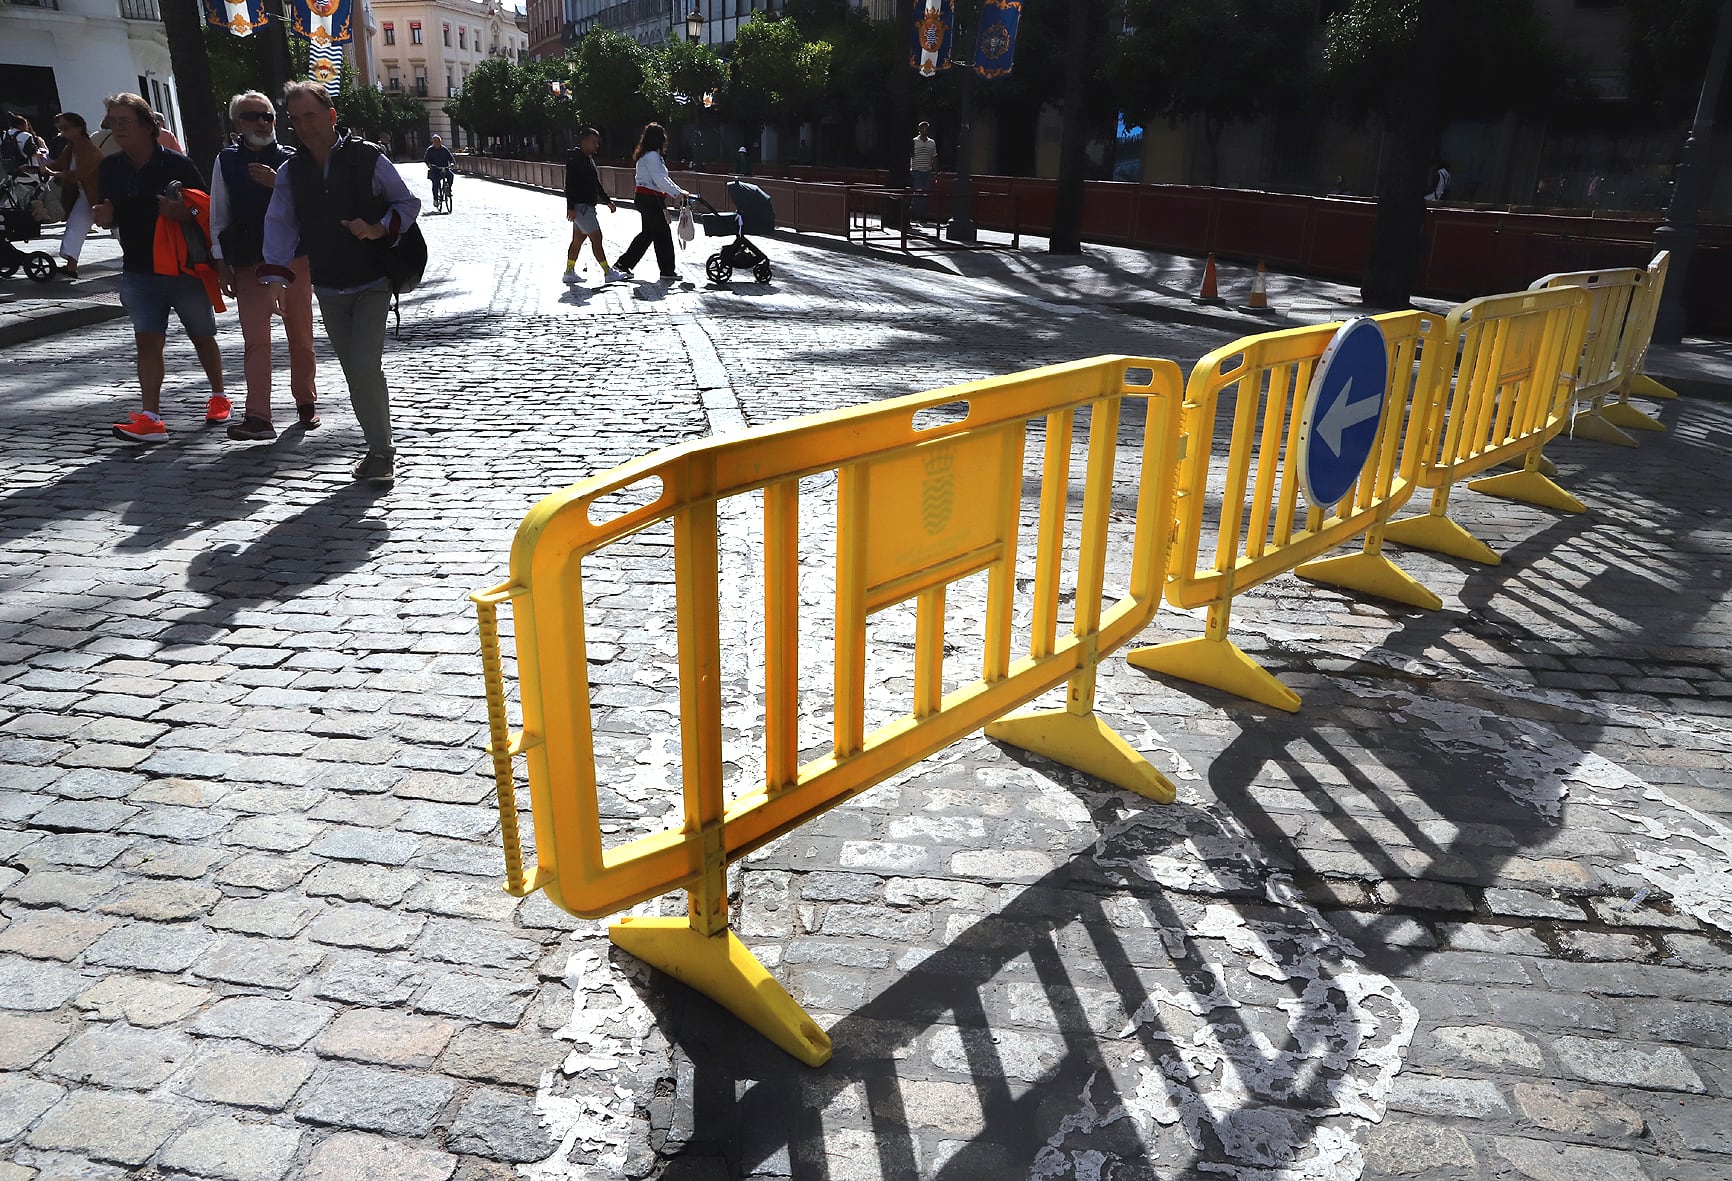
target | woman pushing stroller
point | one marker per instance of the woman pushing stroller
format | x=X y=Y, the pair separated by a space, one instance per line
x=653 y=185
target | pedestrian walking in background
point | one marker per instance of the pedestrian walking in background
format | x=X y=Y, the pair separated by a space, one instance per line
x=344 y=204
x=135 y=187
x=243 y=179
x=583 y=192
x=76 y=167
x=165 y=137
x=922 y=159
x=1439 y=183
x=19 y=146
x=653 y=184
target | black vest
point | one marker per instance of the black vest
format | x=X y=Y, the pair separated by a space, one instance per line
x=336 y=257
x=243 y=239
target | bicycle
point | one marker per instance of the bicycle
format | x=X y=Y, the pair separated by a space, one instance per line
x=441 y=190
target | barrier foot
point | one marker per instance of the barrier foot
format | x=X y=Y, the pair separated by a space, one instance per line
x=1371 y=574
x=1622 y=414
x=1529 y=487
x=1647 y=387
x=1441 y=535
x=1085 y=742
x=1548 y=468
x=1220 y=664
x=721 y=968
x=1594 y=427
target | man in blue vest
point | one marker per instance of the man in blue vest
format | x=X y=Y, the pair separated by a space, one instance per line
x=344 y=204
x=242 y=180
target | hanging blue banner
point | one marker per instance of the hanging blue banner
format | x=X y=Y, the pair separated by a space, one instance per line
x=995 y=47
x=323 y=22
x=239 y=17
x=934 y=29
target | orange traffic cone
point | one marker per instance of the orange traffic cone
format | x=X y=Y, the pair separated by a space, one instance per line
x=1259 y=290
x=1208 y=294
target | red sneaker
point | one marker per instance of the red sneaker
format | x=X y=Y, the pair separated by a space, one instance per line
x=141 y=428
x=217 y=409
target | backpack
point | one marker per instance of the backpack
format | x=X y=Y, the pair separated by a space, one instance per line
x=406 y=261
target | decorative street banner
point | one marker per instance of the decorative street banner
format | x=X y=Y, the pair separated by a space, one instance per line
x=239 y=17
x=323 y=22
x=934 y=28
x=325 y=65
x=995 y=47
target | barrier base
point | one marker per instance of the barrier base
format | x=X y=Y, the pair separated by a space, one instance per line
x=1371 y=574
x=1086 y=743
x=720 y=967
x=1593 y=427
x=1220 y=664
x=1622 y=414
x=1647 y=387
x=1441 y=535
x=1529 y=488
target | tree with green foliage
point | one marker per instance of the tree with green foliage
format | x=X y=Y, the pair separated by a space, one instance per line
x=487 y=104
x=777 y=76
x=376 y=114
x=1668 y=42
x=1416 y=65
x=546 y=98
x=610 y=73
x=1219 y=61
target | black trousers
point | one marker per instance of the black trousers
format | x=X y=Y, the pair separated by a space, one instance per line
x=655 y=232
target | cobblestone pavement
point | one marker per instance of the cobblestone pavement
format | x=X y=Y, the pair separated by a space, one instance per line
x=1465 y=916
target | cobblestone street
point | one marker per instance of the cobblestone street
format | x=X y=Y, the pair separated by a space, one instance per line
x=1467 y=915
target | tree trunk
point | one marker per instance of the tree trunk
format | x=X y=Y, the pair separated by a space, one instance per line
x=1412 y=143
x=1073 y=136
x=901 y=129
x=204 y=125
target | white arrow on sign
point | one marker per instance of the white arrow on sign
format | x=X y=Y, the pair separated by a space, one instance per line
x=1344 y=414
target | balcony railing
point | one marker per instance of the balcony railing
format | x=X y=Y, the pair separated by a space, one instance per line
x=52 y=5
x=420 y=88
x=140 y=10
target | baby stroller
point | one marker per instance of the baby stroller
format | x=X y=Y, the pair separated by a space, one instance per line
x=25 y=203
x=740 y=254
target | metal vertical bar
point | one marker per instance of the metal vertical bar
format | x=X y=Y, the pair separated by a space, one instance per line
x=848 y=727
x=1049 y=544
x=781 y=634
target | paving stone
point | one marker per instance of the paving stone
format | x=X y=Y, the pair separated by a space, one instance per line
x=1679 y=1021
x=1381 y=930
x=279 y=917
x=497 y=1056
x=150 y=947
x=163 y=901
x=120 y=1056
x=108 y=1126
x=479 y=998
x=1604 y=945
x=158 y=860
x=140 y=1001
x=366 y=926
x=463 y=943
x=386 y=1038
x=369 y=846
x=91 y=850
x=1494 y=939
x=1579 y=1113
x=500 y=1126
x=73 y=890
x=1702 y=1126
x=349 y=1156
x=282 y=1025
x=1485 y=1045
x=461 y=897
x=276 y=963
x=369 y=980
x=281 y=834
x=1618 y=912
x=233 y=1149
x=83 y=816
x=52 y=934
x=36 y=987
x=375 y=884
x=1627 y=1064
x=246 y=1078
x=1544 y=1160
x=1424 y=896
x=1413 y=1148
x=358 y=1097
x=1427 y=1095
x=22 y=1102
x=263 y=871
x=24 y=1040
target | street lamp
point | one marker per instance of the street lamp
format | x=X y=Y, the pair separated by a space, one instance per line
x=694 y=26
x=1679 y=233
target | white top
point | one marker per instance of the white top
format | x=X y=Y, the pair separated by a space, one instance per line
x=652 y=173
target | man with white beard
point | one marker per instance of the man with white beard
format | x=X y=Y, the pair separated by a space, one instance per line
x=241 y=183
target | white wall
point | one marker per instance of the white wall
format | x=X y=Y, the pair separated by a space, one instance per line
x=92 y=52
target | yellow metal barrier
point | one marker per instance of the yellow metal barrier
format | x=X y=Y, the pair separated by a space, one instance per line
x=1512 y=393
x=1261 y=531
x=1623 y=306
x=918 y=509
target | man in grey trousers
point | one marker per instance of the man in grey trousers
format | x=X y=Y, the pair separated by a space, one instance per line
x=343 y=204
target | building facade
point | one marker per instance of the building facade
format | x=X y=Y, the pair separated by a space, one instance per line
x=428 y=47
x=67 y=55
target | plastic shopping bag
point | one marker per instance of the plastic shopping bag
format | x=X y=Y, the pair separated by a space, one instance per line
x=688 y=229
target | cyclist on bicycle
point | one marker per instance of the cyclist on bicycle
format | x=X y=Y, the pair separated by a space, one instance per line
x=440 y=165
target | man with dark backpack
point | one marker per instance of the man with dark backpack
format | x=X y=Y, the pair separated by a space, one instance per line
x=346 y=206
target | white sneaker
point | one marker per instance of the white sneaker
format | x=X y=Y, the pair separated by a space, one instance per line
x=615 y=275
x=570 y=277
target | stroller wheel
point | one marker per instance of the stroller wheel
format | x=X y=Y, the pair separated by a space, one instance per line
x=717 y=270
x=8 y=269
x=761 y=272
x=39 y=266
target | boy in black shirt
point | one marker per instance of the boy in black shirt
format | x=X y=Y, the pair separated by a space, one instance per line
x=583 y=192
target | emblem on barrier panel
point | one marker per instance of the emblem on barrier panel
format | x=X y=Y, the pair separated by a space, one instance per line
x=938 y=492
x=919 y=485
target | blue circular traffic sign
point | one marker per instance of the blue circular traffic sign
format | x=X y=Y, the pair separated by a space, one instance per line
x=1342 y=410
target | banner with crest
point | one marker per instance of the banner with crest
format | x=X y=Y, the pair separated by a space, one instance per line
x=323 y=22
x=934 y=29
x=995 y=46
x=240 y=17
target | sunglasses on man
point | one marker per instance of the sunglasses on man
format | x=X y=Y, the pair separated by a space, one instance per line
x=257 y=116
